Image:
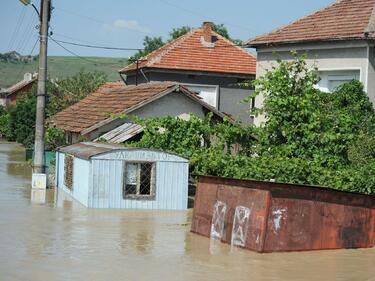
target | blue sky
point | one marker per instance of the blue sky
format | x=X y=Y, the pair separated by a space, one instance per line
x=124 y=23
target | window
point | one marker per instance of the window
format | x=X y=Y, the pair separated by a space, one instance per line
x=68 y=171
x=208 y=93
x=139 y=180
x=330 y=80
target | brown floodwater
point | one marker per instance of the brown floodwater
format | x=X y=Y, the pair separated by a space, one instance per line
x=61 y=240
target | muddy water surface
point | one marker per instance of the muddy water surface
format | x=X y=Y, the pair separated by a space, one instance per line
x=60 y=240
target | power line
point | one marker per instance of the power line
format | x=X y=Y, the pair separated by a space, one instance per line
x=16 y=29
x=204 y=15
x=28 y=32
x=32 y=50
x=98 y=47
x=80 y=57
x=71 y=52
x=73 y=38
x=134 y=49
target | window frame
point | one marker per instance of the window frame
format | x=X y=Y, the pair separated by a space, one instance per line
x=138 y=196
x=331 y=75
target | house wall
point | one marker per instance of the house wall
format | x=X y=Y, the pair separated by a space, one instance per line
x=371 y=74
x=107 y=182
x=326 y=56
x=229 y=93
x=81 y=178
x=173 y=104
x=232 y=101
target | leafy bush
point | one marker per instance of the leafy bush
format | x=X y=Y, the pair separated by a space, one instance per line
x=207 y=144
x=309 y=137
x=22 y=120
x=5 y=131
x=54 y=137
x=17 y=123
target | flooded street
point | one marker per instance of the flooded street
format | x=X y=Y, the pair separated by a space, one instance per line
x=61 y=240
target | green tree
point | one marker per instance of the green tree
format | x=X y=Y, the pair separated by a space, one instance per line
x=18 y=122
x=150 y=44
x=66 y=92
x=5 y=131
x=209 y=144
x=22 y=119
x=178 y=32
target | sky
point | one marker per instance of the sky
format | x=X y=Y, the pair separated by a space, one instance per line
x=124 y=23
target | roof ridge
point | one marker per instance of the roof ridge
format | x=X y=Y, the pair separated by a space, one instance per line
x=294 y=21
x=171 y=45
x=165 y=46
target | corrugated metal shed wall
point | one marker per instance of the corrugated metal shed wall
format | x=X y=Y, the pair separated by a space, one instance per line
x=98 y=183
x=171 y=186
x=81 y=178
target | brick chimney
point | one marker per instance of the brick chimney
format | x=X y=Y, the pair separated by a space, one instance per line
x=207 y=31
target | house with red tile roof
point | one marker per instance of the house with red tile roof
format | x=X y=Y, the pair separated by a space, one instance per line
x=338 y=39
x=98 y=114
x=9 y=96
x=203 y=61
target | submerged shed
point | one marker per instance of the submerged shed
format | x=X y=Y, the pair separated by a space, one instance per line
x=111 y=176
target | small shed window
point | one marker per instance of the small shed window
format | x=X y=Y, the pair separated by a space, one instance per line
x=139 y=180
x=68 y=171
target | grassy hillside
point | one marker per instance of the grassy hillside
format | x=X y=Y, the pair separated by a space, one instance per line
x=61 y=67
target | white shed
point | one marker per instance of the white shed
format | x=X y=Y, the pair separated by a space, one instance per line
x=110 y=176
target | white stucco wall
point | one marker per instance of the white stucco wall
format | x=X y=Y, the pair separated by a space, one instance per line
x=327 y=56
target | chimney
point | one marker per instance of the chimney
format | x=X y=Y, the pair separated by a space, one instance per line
x=207 y=32
x=27 y=76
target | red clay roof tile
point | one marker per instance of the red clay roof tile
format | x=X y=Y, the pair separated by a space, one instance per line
x=342 y=20
x=111 y=98
x=188 y=53
x=114 y=98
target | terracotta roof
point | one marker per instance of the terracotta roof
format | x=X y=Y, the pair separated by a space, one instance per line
x=188 y=53
x=114 y=98
x=342 y=20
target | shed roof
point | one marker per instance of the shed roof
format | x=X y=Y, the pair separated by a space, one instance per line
x=115 y=98
x=342 y=20
x=19 y=86
x=188 y=53
x=87 y=150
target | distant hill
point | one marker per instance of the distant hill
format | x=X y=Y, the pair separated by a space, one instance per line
x=13 y=69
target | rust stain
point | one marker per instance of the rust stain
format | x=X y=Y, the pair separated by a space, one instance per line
x=288 y=217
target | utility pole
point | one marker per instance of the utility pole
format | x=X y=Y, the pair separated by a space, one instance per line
x=39 y=178
x=38 y=167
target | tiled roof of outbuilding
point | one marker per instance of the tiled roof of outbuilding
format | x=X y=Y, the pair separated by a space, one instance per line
x=188 y=53
x=115 y=98
x=342 y=20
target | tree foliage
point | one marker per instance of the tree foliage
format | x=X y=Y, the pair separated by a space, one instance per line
x=17 y=123
x=22 y=120
x=309 y=137
x=206 y=143
x=150 y=44
x=64 y=93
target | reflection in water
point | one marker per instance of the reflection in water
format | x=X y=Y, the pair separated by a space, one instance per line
x=38 y=196
x=61 y=240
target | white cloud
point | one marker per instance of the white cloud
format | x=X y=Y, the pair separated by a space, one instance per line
x=126 y=24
